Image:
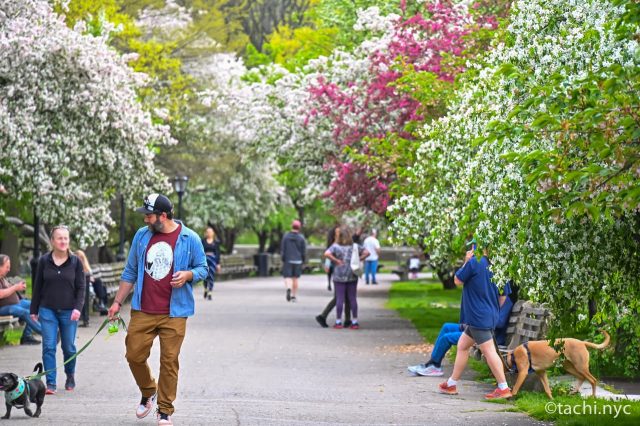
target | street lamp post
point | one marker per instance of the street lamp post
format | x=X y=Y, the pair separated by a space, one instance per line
x=120 y=255
x=180 y=186
x=36 y=246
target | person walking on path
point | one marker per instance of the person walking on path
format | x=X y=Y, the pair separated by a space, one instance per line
x=345 y=280
x=372 y=245
x=165 y=261
x=58 y=298
x=11 y=303
x=294 y=251
x=211 y=246
x=328 y=265
x=332 y=237
x=481 y=309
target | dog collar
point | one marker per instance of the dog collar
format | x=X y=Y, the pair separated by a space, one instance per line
x=17 y=392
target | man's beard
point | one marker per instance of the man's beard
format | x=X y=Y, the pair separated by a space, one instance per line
x=156 y=227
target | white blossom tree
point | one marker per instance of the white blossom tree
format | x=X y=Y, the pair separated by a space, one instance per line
x=72 y=132
x=468 y=185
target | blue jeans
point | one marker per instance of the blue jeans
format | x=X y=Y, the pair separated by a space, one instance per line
x=448 y=336
x=21 y=310
x=53 y=320
x=370 y=268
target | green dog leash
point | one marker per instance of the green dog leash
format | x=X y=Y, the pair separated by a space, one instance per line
x=112 y=329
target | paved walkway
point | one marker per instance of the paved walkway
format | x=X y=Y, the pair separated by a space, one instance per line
x=251 y=358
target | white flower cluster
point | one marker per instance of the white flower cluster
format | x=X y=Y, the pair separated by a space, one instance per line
x=72 y=132
x=469 y=188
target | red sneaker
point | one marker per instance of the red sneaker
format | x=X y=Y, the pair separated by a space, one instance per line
x=337 y=326
x=50 y=391
x=499 y=394
x=447 y=390
x=355 y=326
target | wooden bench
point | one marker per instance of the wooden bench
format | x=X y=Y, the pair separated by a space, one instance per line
x=110 y=274
x=234 y=266
x=275 y=263
x=528 y=321
x=402 y=267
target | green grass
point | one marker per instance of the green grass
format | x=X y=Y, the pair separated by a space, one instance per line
x=11 y=336
x=567 y=410
x=428 y=306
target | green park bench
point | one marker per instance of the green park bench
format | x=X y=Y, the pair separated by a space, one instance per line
x=110 y=274
x=234 y=266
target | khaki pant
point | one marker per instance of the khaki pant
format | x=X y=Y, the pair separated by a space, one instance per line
x=143 y=329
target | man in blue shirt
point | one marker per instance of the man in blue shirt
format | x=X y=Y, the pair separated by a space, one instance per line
x=481 y=308
x=165 y=261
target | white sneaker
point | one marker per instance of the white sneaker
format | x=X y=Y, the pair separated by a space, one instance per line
x=164 y=422
x=430 y=371
x=413 y=369
x=144 y=409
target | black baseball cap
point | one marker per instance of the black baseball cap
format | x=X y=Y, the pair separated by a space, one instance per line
x=155 y=203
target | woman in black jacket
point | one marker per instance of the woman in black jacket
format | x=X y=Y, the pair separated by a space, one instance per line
x=58 y=298
x=212 y=250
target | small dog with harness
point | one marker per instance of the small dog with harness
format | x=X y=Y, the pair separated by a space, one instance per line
x=20 y=392
x=537 y=356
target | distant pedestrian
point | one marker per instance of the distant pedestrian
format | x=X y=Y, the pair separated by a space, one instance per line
x=58 y=298
x=211 y=246
x=344 y=278
x=414 y=265
x=293 y=251
x=332 y=237
x=165 y=261
x=328 y=265
x=372 y=245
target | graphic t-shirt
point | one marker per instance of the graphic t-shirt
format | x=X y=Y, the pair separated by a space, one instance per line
x=158 y=270
x=479 y=294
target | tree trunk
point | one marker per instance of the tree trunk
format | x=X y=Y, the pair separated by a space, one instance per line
x=275 y=240
x=227 y=237
x=263 y=236
x=445 y=274
x=10 y=245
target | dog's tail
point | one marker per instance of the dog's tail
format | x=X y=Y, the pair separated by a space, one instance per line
x=602 y=345
x=38 y=368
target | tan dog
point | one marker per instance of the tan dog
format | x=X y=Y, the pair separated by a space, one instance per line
x=541 y=356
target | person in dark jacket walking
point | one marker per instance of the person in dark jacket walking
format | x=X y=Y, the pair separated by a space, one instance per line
x=58 y=298
x=294 y=251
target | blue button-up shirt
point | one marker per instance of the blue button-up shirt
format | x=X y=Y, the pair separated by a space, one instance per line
x=188 y=255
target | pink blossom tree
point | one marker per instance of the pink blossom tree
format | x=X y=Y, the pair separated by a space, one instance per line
x=365 y=103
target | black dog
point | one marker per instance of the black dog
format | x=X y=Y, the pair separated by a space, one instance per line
x=21 y=395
